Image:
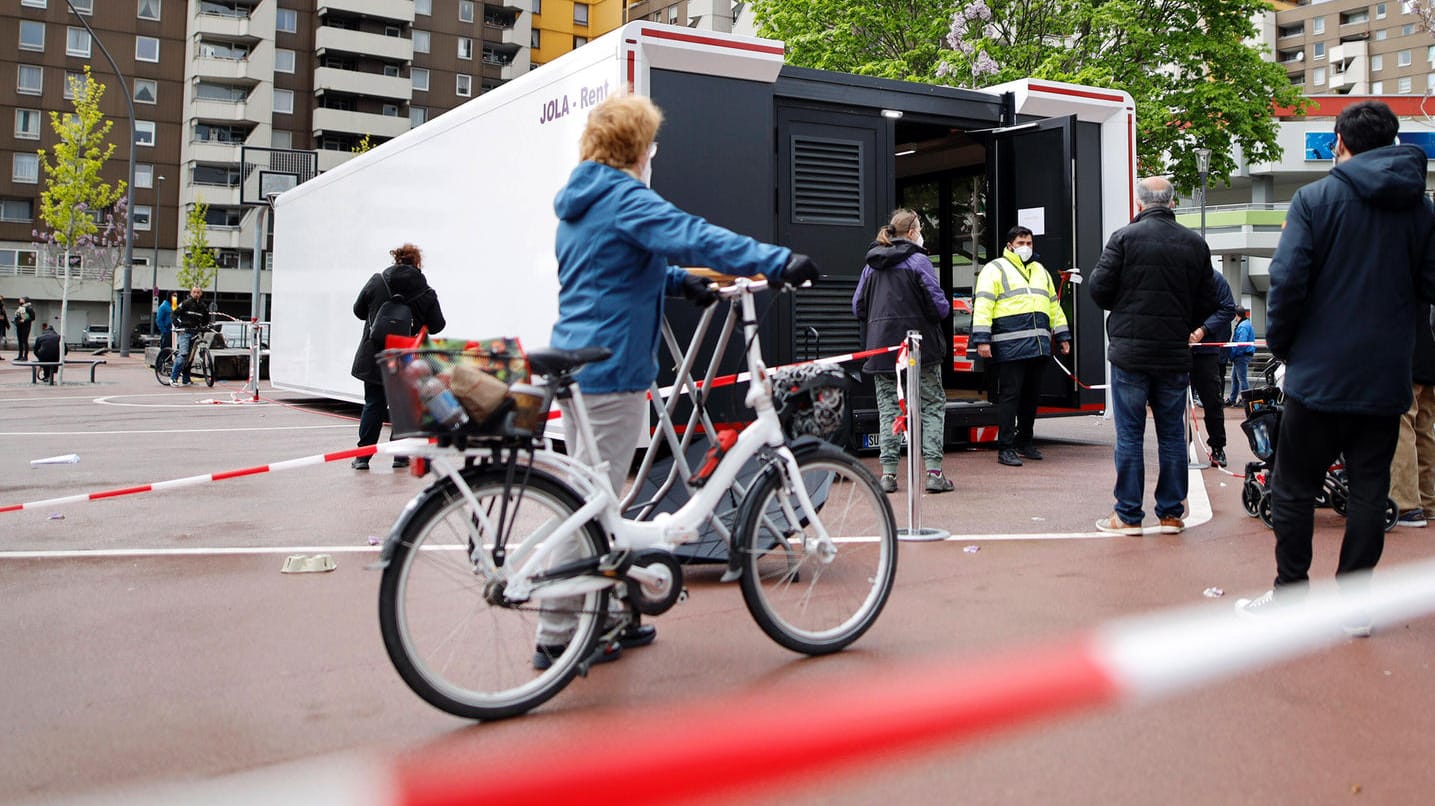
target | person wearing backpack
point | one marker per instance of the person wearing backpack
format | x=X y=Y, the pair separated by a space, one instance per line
x=24 y=315
x=395 y=302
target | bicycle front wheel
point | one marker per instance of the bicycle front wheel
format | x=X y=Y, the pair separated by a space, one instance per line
x=805 y=597
x=205 y=360
x=448 y=632
x=163 y=366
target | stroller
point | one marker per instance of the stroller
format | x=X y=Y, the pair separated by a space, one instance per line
x=1262 y=426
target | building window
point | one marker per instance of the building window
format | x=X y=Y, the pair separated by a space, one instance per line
x=463 y=85
x=579 y=41
x=148 y=10
x=421 y=41
x=465 y=48
x=1377 y=88
x=1380 y=35
x=391 y=70
x=280 y=139
x=1380 y=11
x=146 y=49
x=465 y=10
x=673 y=14
x=77 y=42
x=424 y=7
x=393 y=30
x=1317 y=51
x=1402 y=86
x=286 y=20
x=144 y=175
x=142 y=217
x=72 y=80
x=32 y=35
x=144 y=133
x=1317 y=76
x=580 y=14
x=16 y=210
x=537 y=6
x=391 y=110
x=284 y=102
x=223 y=217
x=1403 y=58
x=418 y=115
x=1407 y=29
x=420 y=78
x=29 y=80
x=1429 y=82
x=33 y=3
x=1430 y=54
x=13 y=260
x=146 y=90
x=1377 y=62
x=27 y=124
x=1317 y=26
x=84 y=6
x=26 y=169
x=283 y=60
x=534 y=40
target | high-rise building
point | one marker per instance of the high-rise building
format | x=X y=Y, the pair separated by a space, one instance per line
x=1354 y=47
x=208 y=77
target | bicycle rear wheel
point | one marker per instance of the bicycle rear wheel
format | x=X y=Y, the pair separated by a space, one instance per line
x=205 y=359
x=804 y=600
x=449 y=641
x=163 y=366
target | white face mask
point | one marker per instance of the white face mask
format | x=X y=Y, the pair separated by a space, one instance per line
x=918 y=240
x=647 y=177
x=1023 y=252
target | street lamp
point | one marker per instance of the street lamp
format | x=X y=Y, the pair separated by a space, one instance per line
x=154 y=265
x=1203 y=169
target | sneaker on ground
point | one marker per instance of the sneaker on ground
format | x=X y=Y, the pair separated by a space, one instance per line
x=937 y=483
x=544 y=654
x=636 y=635
x=360 y=463
x=1029 y=452
x=1411 y=517
x=888 y=482
x=1113 y=524
x=1247 y=608
x=1172 y=526
x=1218 y=457
x=1008 y=457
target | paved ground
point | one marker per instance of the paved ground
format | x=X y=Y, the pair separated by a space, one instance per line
x=128 y=667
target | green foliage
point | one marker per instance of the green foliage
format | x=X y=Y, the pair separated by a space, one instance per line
x=199 y=267
x=73 y=187
x=1191 y=66
x=362 y=146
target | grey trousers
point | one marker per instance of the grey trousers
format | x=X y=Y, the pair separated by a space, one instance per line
x=617 y=420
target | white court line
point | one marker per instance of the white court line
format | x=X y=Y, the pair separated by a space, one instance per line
x=171 y=431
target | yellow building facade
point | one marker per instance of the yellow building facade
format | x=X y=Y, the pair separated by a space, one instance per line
x=562 y=25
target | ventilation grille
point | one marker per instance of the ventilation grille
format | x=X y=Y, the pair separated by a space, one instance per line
x=827 y=181
x=823 y=324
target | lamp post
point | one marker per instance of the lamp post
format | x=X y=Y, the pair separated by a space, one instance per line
x=1203 y=169
x=129 y=193
x=154 y=265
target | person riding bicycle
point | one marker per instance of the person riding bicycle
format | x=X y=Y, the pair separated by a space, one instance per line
x=190 y=319
x=616 y=242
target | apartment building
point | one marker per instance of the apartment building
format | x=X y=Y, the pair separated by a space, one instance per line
x=1354 y=47
x=209 y=77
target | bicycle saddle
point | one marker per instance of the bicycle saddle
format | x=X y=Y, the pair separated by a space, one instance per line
x=552 y=361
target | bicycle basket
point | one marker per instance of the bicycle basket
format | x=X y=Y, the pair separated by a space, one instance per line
x=425 y=385
x=811 y=399
x=1262 y=427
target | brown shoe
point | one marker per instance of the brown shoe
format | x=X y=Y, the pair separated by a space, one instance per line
x=1172 y=526
x=1112 y=523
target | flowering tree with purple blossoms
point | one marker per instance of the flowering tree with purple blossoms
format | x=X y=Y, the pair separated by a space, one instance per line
x=1192 y=67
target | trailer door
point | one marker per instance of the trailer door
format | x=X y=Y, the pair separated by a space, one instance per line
x=1031 y=169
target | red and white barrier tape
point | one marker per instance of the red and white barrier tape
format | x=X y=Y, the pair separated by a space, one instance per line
x=688 y=752
x=193 y=481
x=1256 y=343
x=1073 y=377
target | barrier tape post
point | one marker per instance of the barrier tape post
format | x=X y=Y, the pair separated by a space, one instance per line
x=915 y=470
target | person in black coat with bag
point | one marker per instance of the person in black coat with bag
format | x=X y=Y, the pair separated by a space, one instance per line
x=405 y=279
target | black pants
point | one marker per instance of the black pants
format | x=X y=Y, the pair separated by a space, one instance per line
x=22 y=332
x=376 y=411
x=1018 y=384
x=1206 y=382
x=1309 y=441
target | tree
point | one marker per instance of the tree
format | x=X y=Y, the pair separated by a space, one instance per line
x=1192 y=67
x=363 y=146
x=200 y=268
x=74 y=192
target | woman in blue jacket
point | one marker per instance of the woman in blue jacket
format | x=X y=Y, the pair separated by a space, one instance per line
x=616 y=243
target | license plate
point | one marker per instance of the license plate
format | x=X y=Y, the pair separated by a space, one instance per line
x=869 y=441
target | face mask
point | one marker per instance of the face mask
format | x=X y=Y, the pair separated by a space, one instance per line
x=918 y=240
x=647 y=176
x=1023 y=252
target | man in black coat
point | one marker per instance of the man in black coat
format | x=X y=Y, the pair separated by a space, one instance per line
x=47 y=348
x=1356 y=258
x=1208 y=374
x=403 y=279
x=1155 y=278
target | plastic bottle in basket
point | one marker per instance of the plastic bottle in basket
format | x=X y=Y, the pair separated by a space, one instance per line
x=441 y=403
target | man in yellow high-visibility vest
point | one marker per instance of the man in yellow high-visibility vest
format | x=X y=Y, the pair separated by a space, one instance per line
x=1016 y=319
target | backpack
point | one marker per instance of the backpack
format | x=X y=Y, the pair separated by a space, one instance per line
x=395 y=317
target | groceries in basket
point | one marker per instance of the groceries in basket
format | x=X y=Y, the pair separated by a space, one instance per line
x=440 y=386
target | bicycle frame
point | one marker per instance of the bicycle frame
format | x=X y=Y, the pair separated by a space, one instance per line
x=601 y=502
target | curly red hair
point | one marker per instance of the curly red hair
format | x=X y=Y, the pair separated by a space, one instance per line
x=408 y=255
x=619 y=131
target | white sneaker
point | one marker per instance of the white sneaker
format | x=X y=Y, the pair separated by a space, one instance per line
x=1250 y=608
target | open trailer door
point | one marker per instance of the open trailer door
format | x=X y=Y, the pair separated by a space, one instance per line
x=1031 y=170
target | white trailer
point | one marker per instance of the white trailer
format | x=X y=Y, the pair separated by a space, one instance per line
x=810 y=159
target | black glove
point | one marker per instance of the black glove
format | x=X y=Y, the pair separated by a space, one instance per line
x=800 y=269
x=699 y=290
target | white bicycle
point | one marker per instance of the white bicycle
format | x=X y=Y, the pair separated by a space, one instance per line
x=474 y=557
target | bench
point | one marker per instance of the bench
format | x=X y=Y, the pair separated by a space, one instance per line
x=36 y=366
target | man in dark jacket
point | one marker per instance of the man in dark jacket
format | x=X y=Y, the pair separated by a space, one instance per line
x=24 y=315
x=1353 y=262
x=1412 y=471
x=403 y=279
x=1207 y=375
x=47 y=348
x=1155 y=278
x=897 y=292
x=190 y=319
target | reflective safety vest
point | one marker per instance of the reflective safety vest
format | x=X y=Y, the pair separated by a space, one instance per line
x=1016 y=311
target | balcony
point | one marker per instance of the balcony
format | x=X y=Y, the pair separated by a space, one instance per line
x=396 y=10
x=212 y=195
x=329 y=159
x=519 y=66
x=339 y=120
x=1239 y=229
x=396 y=48
x=521 y=33
x=214 y=151
x=514 y=5
x=225 y=111
x=232 y=26
x=352 y=82
x=224 y=69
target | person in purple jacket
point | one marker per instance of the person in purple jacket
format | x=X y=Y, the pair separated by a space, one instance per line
x=898 y=292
